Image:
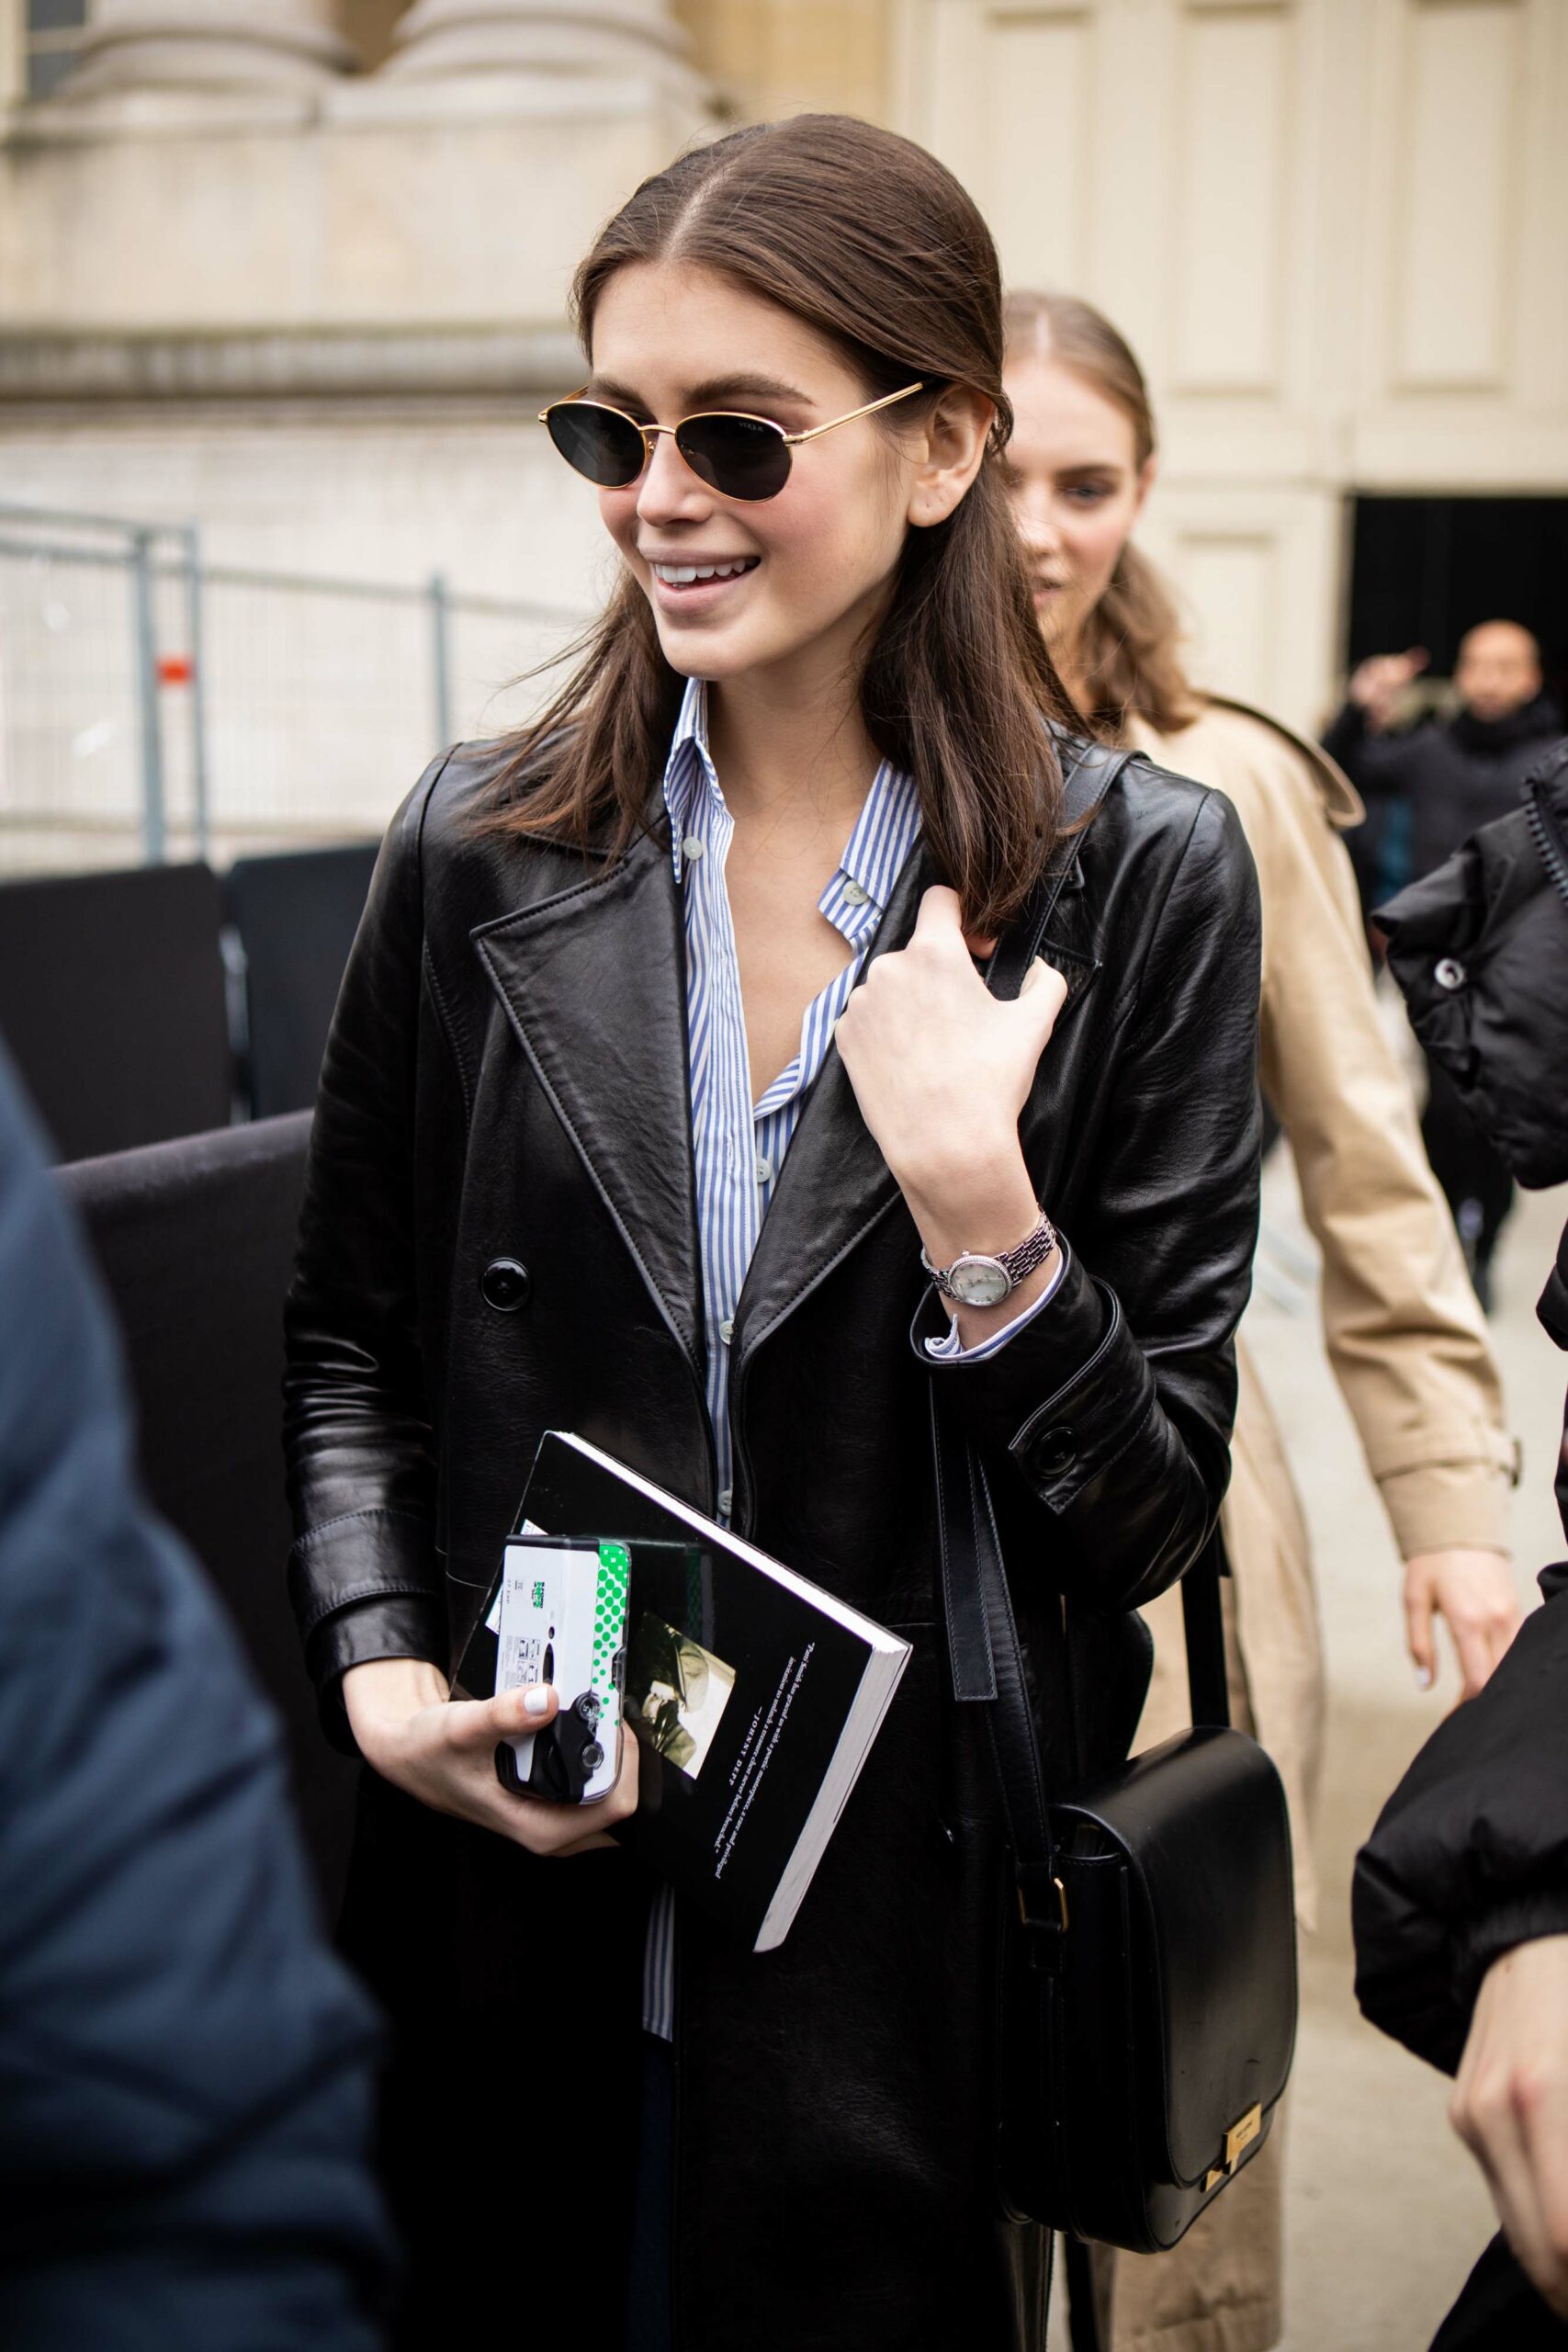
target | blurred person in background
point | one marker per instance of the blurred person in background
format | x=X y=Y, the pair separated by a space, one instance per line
x=184 y=2070
x=1460 y=1895
x=1403 y=1332
x=1445 y=778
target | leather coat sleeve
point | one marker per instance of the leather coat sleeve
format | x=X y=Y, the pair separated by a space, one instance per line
x=364 y=1576
x=1469 y=1855
x=1115 y=1403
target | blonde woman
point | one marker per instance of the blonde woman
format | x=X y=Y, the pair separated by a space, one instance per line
x=1404 y=1333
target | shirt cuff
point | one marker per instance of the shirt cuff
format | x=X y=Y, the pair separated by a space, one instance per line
x=950 y=1348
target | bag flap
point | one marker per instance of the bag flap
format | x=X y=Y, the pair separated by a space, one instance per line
x=1201 y=1823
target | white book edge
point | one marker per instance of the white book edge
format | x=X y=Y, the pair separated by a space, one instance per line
x=880 y=1678
x=877 y=1637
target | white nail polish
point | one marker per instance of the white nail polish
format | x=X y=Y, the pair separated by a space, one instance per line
x=536 y=1701
x=1423 y=1678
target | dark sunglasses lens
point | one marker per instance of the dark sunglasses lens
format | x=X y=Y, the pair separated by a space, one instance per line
x=605 y=447
x=737 y=456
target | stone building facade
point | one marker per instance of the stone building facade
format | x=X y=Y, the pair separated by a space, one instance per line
x=295 y=269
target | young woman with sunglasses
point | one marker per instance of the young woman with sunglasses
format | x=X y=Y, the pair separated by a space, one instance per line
x=1401 y=1324
x=662 y=1055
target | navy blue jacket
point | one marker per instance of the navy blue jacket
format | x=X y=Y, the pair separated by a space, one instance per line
x=184 y=2070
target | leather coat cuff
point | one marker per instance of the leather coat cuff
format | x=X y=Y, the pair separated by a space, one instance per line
x=365 y=1586
x=1520 y=1919
x=395 y=1625
x=1068 y=1391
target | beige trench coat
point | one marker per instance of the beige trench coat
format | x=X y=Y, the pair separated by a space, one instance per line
x=1409 y=1349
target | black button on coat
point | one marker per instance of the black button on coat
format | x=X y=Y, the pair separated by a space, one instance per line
x=507 y=1074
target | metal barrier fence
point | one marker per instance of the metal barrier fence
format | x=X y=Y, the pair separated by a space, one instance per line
x=154 y=706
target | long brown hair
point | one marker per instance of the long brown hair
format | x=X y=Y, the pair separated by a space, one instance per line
x=870 y=241
x=1131 y=665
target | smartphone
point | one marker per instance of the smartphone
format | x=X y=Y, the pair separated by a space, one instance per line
x=560 y=1617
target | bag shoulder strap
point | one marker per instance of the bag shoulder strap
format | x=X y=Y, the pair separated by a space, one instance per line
x=983 y=1647
x=1088 y=771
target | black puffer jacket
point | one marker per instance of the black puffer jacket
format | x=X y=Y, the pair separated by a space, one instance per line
x=506 y=1085
x=1480 y=949
x=1471 y=1854
x=1456 y=773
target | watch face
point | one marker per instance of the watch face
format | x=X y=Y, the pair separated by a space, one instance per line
x=979 y=1281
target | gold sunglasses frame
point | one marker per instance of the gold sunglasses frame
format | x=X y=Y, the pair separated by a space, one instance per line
x=742 y=416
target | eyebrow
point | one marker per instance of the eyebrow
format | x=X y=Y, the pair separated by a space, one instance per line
x=717 y=391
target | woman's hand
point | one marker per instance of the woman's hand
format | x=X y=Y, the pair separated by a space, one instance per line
x=941 y=1070
x=1475 y=1591
x=442 y=1751
x=1510 y=2105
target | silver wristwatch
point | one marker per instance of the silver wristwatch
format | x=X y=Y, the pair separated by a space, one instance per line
x=973 y=1280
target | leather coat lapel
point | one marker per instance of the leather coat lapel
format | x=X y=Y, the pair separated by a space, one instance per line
x=835 y=1184
x=592 y=980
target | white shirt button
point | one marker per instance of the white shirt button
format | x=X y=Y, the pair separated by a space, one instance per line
x=764 y=1169
x=855 y=896
x=726 y=1329
x=726 y=1498
x=691 y=846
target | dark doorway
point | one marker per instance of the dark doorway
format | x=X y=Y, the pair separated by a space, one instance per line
x=1425 y=569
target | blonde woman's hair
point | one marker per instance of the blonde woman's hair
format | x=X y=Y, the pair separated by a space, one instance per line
x=1133 y=667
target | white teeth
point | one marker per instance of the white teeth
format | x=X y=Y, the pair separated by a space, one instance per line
x=682 y=575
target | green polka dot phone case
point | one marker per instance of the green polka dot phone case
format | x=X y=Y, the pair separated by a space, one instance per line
x=560 y=1617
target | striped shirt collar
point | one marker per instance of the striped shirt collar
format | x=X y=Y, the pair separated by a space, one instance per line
x=883 y=834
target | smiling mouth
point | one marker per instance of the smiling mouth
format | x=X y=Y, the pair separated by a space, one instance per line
x=691 y=575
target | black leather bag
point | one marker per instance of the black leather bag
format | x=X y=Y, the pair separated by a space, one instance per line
x=1148 y=2006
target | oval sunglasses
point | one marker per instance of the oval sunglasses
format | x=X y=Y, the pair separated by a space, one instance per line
x=737 y=456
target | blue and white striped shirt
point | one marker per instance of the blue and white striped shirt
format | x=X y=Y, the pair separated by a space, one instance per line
x=738 y=1145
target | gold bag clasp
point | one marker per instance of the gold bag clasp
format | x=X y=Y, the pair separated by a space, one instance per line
x=1241 y=2135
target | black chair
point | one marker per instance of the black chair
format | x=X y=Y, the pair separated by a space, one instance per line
x=196 y=1241
x=112 y=1002
x=295 y=915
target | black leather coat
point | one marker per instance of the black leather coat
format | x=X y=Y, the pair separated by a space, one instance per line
x=499 y=1237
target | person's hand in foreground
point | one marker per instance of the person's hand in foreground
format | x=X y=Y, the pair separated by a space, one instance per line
x=442 y=1751
x=1474 y=1592
x=1510 y=2106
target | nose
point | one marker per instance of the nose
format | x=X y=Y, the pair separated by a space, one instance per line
x=1036 y=520
x=670 y=492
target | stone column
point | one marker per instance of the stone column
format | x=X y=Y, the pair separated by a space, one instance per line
x=548 y=41
x=288 y=46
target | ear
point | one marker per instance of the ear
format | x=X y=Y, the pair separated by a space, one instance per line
x=954 y=440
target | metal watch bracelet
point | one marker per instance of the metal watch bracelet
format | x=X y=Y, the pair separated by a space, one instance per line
x=976 y=1278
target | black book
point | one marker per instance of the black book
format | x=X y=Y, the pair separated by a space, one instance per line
x=754 y=1694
